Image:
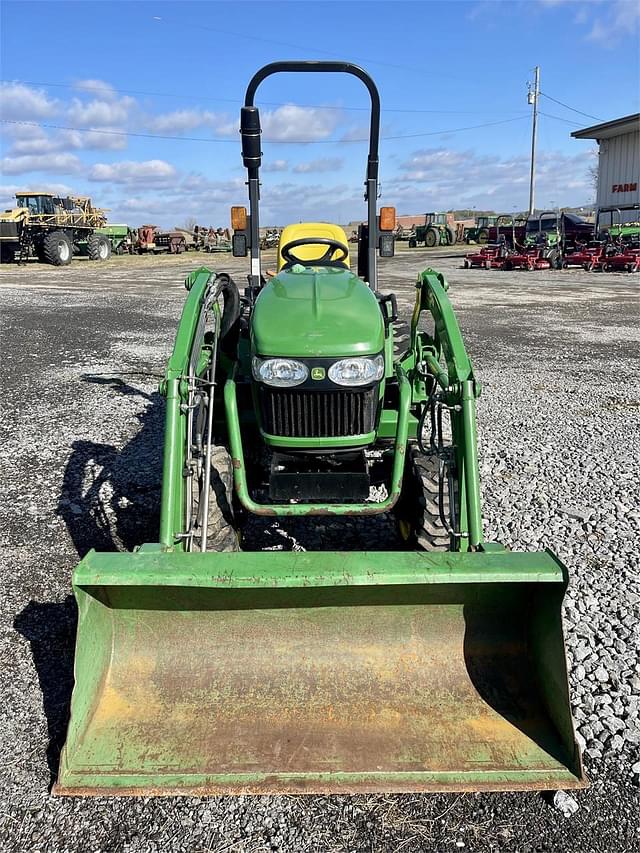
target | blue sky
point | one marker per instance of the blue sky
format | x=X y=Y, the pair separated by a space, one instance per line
x=127 y=74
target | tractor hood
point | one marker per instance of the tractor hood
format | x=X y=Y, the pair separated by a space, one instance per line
x=316 y=312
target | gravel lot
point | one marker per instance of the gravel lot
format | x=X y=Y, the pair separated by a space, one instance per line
x=557 y=353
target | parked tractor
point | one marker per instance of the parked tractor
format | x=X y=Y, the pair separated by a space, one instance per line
x=610 y=224
x=479 y=233
x=204 y=669
x=437 y=230
x=53 y=229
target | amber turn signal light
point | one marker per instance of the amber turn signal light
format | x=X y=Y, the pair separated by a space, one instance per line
x=239 y=218
x=387 y=218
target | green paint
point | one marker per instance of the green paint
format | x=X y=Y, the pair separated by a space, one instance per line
x=206 y=670
x=301 y=509
x=319 y=312
x=270 y=569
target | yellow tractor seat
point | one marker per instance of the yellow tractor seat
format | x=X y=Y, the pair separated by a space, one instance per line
x=312 y=252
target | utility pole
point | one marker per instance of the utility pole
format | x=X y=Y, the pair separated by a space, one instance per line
x=532 y=98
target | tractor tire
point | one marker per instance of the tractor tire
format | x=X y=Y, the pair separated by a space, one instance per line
x=451 y=236
x=483 y=236
x=555 y=259
x=417 y=512
x=412 y=242
x=57 y=249
x=221 y=527
x=98 y=247
x=431 y=238
x=7 y=254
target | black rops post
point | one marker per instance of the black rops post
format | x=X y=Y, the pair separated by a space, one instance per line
x=251 y=155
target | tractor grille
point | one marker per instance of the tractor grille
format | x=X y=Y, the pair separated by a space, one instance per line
x=294 y=413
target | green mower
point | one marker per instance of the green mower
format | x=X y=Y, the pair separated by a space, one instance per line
x=205 y=669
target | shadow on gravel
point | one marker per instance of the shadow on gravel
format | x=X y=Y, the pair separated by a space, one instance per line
x=50 y=629
x=109 y=501
x=110 y=498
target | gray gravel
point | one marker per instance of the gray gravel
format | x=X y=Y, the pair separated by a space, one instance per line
x=557 y=355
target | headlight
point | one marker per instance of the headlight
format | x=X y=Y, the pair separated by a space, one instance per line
x=357 y=371
x=281 y=372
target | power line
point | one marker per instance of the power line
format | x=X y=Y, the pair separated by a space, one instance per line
x=268 y=141
x=237 y=101
x=309 y=47
x=559 y=118
x=452 y=130
x=573 y=109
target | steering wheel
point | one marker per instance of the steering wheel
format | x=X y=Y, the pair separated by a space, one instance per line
x=332 y=246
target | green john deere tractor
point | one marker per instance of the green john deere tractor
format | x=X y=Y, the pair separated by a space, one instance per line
x=620 y=224
x=479 y=233
x=205 y=669
x=436 y=230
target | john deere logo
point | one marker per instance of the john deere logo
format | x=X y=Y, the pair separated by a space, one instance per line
x=317 y=373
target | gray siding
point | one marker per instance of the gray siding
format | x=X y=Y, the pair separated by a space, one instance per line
x=619 y=163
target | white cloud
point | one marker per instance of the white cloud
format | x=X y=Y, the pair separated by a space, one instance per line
x=131 y=172
x=306 y=124
x=23 y=103
x=621 y=18
x=100 y=113
x=180 y=121
x=99 y=88
x=440 y=178
x=8 y=192
x=610 y=21
x=289 y=123
x=324 y=164
x=53 y=163
x=68 y=140
x=276 y=166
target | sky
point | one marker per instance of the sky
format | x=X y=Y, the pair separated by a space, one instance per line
x=137 y=104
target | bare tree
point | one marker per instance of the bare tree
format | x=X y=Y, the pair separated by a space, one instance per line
x=593 y=177
x=190 y=223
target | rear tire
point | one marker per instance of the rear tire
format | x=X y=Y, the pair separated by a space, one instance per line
x=57 y=249
x=221 y=527
x=417 y=512
x=451 y=236
x=483 y=236
x=431 y=238
x=98 y=247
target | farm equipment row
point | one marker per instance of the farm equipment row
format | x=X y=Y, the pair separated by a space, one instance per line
x=53 y=229
x=549 y=241
x=598 y=256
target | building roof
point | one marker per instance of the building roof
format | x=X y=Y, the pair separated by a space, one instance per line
x=610 y=128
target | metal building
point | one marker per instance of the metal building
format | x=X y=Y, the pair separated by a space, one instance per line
x=618 y=162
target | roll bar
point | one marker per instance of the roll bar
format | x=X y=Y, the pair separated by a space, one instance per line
x=250 y=131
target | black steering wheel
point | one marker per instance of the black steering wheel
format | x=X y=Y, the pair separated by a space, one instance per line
x=331 y=244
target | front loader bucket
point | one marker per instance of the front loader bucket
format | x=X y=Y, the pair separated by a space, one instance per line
x=328 y=672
